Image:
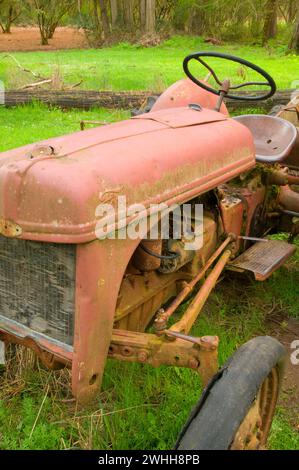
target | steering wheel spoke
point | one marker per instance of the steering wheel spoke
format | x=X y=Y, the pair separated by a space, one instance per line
x=236 y=87
x=199 y=57
x=212 y=72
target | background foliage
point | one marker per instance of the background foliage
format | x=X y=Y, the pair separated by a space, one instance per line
x=112 y=20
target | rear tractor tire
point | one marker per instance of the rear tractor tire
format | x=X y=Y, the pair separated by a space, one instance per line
x=236 y=409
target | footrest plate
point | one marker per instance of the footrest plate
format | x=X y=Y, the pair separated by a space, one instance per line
x=263 y=258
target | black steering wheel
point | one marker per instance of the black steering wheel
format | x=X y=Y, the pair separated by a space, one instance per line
x=198 y=56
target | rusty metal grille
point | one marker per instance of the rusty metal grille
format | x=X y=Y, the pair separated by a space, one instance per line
x=37 y=286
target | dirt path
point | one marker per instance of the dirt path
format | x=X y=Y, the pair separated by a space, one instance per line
x=28 y=39
x=287 y=331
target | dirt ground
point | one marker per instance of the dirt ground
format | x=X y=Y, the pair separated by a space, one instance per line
x=287 y=331
x=28 y=39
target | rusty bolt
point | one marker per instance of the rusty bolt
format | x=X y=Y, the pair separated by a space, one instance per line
x=42 y=151
x=193 y=363
x=142 y=356
x=259 y=435
x=233 y=236
x=112 y=349
x=160 y=322
x=259 y=423
x=127 y=351
x=209 y=342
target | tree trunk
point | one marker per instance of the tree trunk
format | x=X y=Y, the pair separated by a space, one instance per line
x=96 y=17
x=120 y=13
x=11 y=17
x=270 y=20
x=129 y=14
x=52 y=30
x=104 y=16
x=42 y=29
x=291 y=12
x=150 y=23
x=44 y=39
x=294 y=44
x=197 y=21
x=142 y=14
x=114 y=12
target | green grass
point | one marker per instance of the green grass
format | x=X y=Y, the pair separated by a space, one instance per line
x=130 y=67
x=139 y=407
x=26 y=124
x=283 y=436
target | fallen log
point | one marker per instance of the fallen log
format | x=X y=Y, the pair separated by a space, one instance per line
x=87 y=99
x=82 y=99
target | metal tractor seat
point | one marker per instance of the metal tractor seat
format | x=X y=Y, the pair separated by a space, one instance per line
x=274 y=137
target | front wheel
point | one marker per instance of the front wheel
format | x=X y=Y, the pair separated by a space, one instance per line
x=237 y=408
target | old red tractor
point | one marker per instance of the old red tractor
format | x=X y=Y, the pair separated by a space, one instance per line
x=76 y=288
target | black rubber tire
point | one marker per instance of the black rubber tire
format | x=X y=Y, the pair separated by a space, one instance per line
x=228 y=397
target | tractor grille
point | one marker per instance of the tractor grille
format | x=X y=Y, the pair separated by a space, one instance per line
x=37 y=286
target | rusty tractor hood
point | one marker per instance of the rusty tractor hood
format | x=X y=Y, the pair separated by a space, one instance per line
x=50 y=191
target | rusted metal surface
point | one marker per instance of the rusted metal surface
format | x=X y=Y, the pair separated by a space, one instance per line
x=292 y=179
x=42 y=151
x=254 y=239
x=232 y=209
x=164 y=315
x=201 y=356
x=176 y=119
x=143 y=260
x=96 y=294
x=253 y=198
x=186 y=322
x=180 y=259
x=48 y=351
x=9 y=229
x=282 y=177
x=224 y=90
x=291 y=113
x=183 y=93
x=255 y=209
x=209 y=343
x=48 y=359
x=141 y=294
x=37 y=287
x=274 y=138
x=212 y=231
x=293 y=159
x=165 y=165
x=264 y=258
x=254 y=430
x=100 y=269
x=288 y=199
